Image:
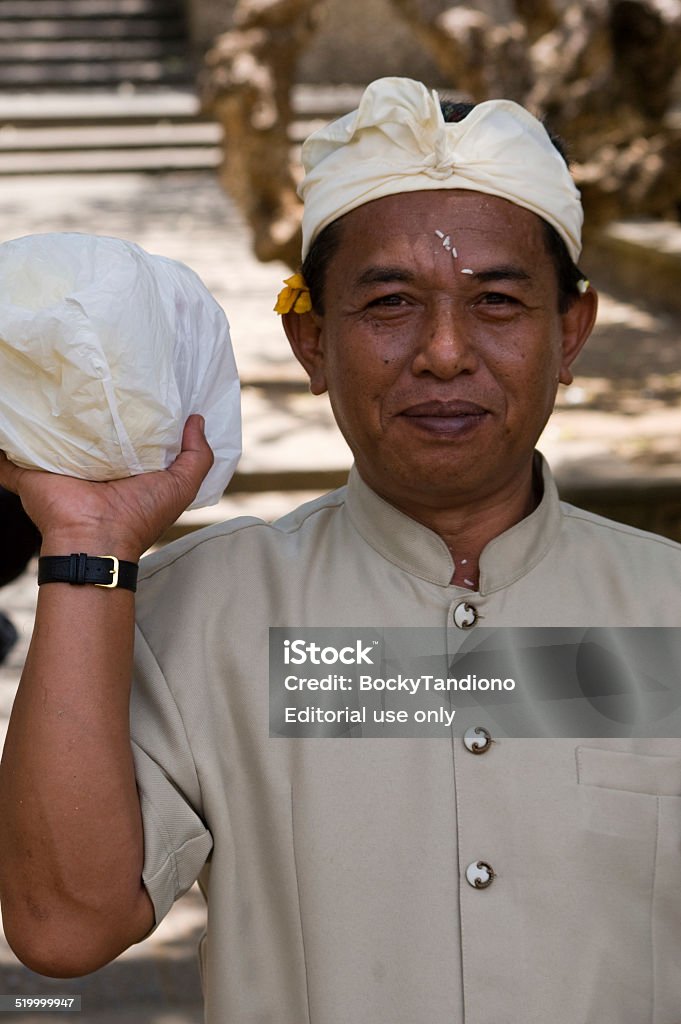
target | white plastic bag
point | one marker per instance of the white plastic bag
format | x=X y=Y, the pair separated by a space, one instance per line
x=105 y=351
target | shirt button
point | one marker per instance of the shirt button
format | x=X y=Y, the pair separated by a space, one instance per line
x=477 y=739
x=465 y=615
x=479 y=874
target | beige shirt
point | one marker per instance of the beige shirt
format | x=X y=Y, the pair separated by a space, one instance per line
x=336 y=869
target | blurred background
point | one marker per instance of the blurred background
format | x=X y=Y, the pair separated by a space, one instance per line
x=177 y=124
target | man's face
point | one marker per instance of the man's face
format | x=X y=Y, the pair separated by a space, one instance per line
x=441 y=344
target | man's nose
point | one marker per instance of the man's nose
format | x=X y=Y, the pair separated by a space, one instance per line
x=446 y=346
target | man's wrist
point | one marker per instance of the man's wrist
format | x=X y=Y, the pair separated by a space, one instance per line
x=63 y=544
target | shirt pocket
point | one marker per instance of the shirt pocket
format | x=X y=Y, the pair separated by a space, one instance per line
x=630 y=840
x=656 y=775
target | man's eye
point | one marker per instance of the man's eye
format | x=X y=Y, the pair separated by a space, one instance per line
x=498 y=299
x=387 y=300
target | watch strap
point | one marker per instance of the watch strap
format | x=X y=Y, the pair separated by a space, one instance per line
x=102 y=570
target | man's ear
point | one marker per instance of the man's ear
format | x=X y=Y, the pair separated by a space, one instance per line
x=304 y=332
x=578 y=323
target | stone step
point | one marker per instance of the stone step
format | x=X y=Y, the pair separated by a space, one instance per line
x=646 y=502
x=162 y=133
x=126 y=130
x=261 y=503
x=79 y=105
x=93 y=43
x=52 y=29
x=123 y=105
x=134 y=1013
x=163 y=70
x=21 y=11
x=100 y=161
x=91 y=51
x=641 y=257
x=325 y=101
x=58 y=51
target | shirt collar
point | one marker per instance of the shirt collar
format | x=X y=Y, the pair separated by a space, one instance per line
x=421 y=552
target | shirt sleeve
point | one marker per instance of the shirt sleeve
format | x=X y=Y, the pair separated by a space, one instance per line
x=177 y=842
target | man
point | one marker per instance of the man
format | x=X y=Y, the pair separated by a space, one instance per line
x=475 y=878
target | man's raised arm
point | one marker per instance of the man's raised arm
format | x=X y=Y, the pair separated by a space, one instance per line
x=71 y=843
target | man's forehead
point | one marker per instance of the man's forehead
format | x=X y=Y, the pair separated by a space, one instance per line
x=453 y=225
x=469 y=209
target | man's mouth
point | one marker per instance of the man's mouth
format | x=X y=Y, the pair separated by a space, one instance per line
x=452 y=417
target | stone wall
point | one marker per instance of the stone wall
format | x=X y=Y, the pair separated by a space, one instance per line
x=207 y=19
x=356 y=41
x=645 y=503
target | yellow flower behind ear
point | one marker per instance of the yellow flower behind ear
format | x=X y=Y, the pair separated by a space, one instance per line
x=294 y=296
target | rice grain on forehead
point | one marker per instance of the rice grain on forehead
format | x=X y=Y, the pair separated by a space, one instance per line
x=398 y=141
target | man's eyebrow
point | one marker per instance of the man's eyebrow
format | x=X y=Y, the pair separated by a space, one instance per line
x=507 y=272
x=385 y=274
x=378 y=275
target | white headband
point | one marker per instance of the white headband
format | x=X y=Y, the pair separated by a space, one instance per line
x=398 y=141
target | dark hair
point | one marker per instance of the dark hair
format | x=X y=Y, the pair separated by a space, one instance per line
x=568 y=273
x=327 y=241
x=317 y=260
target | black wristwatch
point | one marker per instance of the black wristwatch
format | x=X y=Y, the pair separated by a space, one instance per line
x=102 y=570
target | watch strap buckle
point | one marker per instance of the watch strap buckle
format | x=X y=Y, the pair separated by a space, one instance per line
x=113 y=570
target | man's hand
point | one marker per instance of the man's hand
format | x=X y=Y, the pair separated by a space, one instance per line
x=126 y=516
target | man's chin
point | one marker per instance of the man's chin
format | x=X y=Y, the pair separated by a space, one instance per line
x=430 y=482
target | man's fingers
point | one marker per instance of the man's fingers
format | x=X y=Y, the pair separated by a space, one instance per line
x=193 y=435
x=196 y=457
x=9 y=474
